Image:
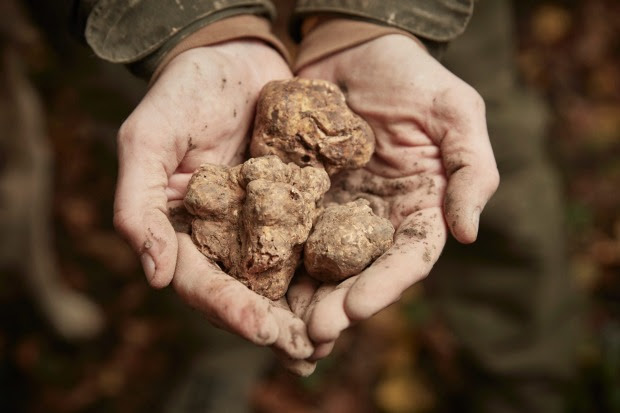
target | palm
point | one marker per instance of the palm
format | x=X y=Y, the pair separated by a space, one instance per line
x=200 y=110
x=432 y=169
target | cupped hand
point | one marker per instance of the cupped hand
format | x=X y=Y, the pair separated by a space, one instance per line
x=199 y=110
x=433 y=170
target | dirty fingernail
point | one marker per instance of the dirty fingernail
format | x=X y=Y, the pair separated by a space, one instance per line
x=301 y=368
x=148 y=265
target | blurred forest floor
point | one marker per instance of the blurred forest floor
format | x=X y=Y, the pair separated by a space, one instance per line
x=569 y=51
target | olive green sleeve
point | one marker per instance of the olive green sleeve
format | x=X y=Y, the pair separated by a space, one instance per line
x=136 y=31
x=431 y=20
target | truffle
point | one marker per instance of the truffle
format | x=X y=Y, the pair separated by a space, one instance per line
x=308 y=122
x=346 y=239
x=253 y=219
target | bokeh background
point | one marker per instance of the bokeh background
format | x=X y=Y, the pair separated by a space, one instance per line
x=568 y=50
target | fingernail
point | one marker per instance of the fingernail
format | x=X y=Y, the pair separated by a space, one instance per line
x=305 y=368
x=148 y=265
x=301 y=368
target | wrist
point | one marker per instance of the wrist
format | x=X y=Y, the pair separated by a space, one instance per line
x=324 y=35
x=251 y=29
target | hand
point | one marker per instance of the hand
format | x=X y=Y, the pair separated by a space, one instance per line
x=200 y=110
x=433 y=169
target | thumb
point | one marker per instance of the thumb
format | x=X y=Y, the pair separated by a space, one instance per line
x=140 y=205
x=468 y=161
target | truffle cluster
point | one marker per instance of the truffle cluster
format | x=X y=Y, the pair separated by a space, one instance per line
x=254 y=220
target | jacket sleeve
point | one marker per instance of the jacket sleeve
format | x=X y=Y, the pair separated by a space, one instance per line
x=436 y=21
x=140 y=32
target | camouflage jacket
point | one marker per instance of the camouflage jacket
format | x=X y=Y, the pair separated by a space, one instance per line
x=128 y=31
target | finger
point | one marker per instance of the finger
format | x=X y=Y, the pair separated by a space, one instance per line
x=177 y=186
x=417 y=246
x=468 y=160
x=468 y=191
x=326 y=317
x=302 y=368
x=140 y=207
x=292 y=336
x=300 y=293
x=222 y=299
x=321 y=351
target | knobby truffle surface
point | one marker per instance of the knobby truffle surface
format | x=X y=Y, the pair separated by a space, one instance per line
x=252 y=219
x=307 y=122
x=346 y=239
x=255 y=219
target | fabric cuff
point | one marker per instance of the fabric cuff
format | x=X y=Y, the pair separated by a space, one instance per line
x=436 y=20
x=336 y=34
x=238 y=27
x=123 y=31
